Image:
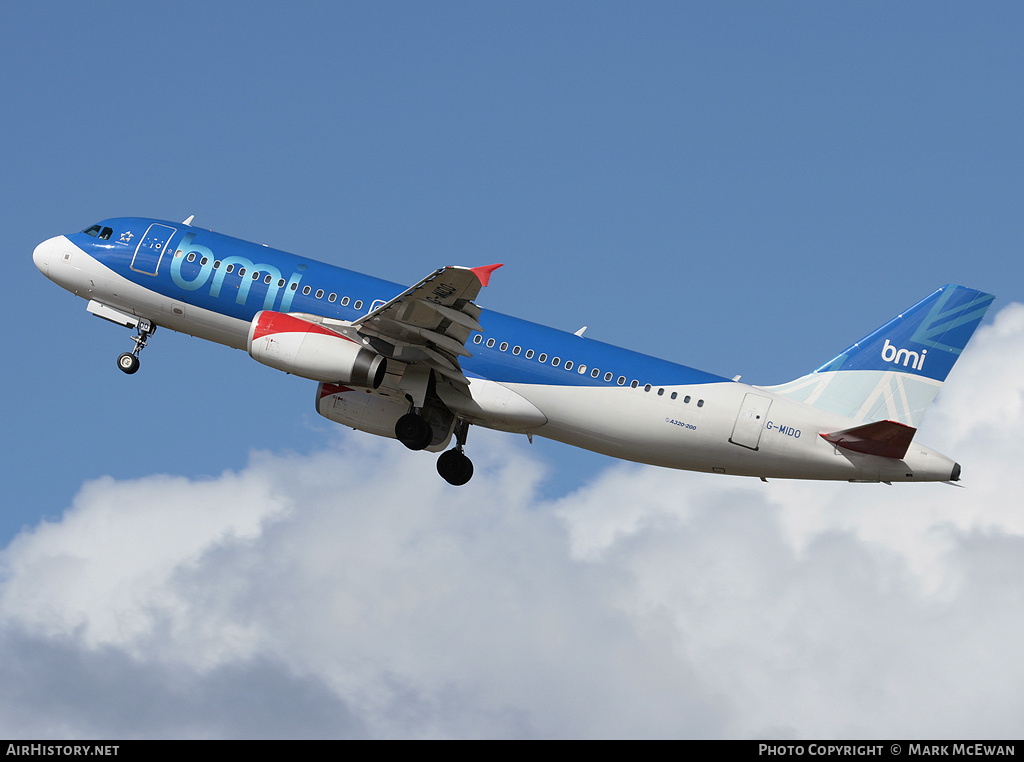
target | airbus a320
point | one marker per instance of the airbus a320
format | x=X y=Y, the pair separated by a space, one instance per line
x=423 y=364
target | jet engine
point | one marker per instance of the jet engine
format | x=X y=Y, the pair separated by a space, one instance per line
x=378 y=413
x=312 y=351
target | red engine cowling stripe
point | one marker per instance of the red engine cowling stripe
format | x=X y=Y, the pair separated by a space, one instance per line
x=278 y=322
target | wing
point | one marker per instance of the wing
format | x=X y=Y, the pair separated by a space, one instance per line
x=429 y=323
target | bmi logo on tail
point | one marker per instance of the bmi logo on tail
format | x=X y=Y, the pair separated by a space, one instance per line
x=893 y=355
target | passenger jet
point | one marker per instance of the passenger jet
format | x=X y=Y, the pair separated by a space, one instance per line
x=422 y=364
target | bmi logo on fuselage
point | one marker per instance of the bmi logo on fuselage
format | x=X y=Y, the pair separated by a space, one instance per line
x=903 y=356
x=267 y=273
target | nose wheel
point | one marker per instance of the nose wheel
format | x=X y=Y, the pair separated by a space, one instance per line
x=128 y=362
x=453 y=465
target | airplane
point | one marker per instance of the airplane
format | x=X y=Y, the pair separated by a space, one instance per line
x=423 y=364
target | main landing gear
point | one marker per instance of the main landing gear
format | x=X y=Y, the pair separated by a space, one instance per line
x=453 y=465
x=416 y=433
x=128 y=362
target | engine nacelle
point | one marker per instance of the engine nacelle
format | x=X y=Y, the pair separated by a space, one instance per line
x=312 y=351
x=378 y=414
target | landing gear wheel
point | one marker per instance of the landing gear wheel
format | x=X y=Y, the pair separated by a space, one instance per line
x=414 y=432
x=455 y=468
x=128 y=363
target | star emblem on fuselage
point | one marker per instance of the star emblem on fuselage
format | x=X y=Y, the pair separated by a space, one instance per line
x=126 y=236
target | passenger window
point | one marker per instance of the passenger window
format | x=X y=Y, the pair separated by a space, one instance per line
x=306 y=290
x=229 y=268
x=581 y=369
x=344 y=301
x=516 y=350
x=700 y=403
x=634 y=384
x=358 y=305
x=620 y=380
x=504 y=346
x=529 y=354
x=686 y=399
x=280 y=283
x=477 y=339
x=256 y=276
x=661 y=392
x=542 y=358
x=319 y=293
x=241 y=272
x=191 y=257
x=294 y=287
x=268 y=279
x=675 y=394
x=216 y=264
x=568 y=364
x=203 y=261
x=647 y=387
x=332 y=298
x=490 y=343
x=556 y=361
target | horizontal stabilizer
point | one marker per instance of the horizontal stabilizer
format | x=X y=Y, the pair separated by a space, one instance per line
x=886 y=438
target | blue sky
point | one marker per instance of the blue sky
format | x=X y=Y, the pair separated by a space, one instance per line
x=745 y=188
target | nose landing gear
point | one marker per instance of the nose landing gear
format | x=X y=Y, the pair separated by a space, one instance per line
x=128 y=362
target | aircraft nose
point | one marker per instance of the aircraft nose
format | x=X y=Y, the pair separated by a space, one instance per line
x=45 y=254
x=41 y=256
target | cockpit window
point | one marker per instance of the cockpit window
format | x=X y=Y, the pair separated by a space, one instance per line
x=99 y=232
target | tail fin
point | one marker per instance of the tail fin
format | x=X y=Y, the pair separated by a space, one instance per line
x=895 y=372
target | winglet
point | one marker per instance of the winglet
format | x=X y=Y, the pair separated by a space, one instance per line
x=886 y=438
x=484 y=273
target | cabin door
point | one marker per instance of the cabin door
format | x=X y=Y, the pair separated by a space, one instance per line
x=150 y=250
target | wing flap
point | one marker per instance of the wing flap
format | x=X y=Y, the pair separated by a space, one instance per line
x=888 y=439
x=463 y=319
x=454 y=375
x=440 y=340
x=430 y=322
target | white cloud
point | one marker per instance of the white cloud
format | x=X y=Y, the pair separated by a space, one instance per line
x=353 y=593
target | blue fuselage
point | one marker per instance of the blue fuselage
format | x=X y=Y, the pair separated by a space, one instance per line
x=215 y=272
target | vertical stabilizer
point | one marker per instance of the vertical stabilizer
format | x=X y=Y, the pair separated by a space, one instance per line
x=895 y=372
